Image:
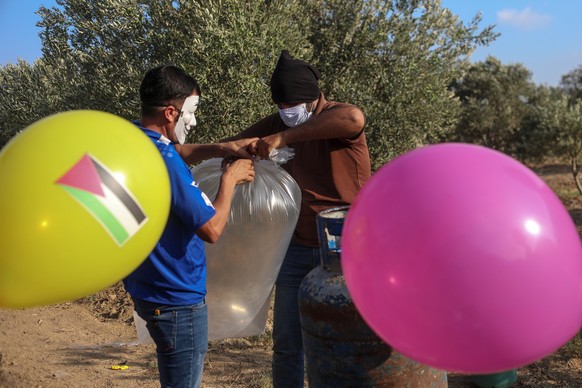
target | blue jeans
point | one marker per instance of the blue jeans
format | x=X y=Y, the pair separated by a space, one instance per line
x=288 y=356
x=181 y=337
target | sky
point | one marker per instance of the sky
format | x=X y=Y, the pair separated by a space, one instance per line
x=543 y=35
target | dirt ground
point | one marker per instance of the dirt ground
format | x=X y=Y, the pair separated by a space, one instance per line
x=92 y=342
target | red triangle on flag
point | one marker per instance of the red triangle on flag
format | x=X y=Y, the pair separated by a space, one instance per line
x=84 y=176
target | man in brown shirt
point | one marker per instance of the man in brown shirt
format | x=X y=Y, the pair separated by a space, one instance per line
x=330 y=165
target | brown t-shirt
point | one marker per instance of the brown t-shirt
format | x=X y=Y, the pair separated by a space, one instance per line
x=330 y=172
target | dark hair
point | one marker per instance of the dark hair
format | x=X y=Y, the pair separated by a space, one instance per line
x=164 y=85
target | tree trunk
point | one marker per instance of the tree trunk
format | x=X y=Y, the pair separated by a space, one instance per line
x=575 y=171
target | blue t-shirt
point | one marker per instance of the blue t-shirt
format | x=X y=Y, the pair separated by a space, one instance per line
x=174 y=273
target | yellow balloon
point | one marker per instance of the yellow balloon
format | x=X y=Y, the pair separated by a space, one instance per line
x=84 y=197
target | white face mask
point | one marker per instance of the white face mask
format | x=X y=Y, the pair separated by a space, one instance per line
x=295 y=115
x=186 y=119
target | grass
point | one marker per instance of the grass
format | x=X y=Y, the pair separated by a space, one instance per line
x=574 y=346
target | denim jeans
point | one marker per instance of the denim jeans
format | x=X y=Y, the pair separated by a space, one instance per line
x=288 y=356
x=181 y=337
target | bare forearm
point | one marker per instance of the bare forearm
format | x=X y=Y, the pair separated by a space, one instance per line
x=239 y=171
x=195 y=153
x=212 y=230
x=341 y=122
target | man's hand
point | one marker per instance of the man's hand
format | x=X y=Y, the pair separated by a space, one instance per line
x=242 y=148
x=239 y=170
x=265 y=145
x=235 y=171
x=195 y=153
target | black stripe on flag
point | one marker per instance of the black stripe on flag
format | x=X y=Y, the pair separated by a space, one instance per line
x=110 y=181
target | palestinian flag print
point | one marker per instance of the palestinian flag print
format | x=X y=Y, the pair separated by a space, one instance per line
x=104 y=197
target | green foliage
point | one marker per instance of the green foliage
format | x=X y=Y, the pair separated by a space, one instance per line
x=504 y=110
x=571 y=83
x=494 y=100
x=570 y=129
x=235 y=50
x=394 y=59
x=25 y=95
x=102 y=48
x=561 y=120
x=533 y=142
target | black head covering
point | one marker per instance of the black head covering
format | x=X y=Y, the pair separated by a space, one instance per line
x=294 y=81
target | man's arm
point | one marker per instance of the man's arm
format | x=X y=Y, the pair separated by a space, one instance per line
x=237 y=172
x=342 y=122
x=194 y=153
x=260 y=128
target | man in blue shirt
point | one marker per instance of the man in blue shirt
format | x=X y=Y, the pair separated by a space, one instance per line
x=169 y=287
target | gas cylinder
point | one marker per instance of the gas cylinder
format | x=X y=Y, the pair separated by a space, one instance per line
x=496 y=380
x=340 y=349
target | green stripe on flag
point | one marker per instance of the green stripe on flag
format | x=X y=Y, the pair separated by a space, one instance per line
x=99 y=211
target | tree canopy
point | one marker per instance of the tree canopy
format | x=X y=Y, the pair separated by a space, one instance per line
x=494 y=99
x=504 y=110
x=394 y=59
x=560 y=121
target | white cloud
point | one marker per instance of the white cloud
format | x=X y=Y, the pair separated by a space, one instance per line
x=525 y=19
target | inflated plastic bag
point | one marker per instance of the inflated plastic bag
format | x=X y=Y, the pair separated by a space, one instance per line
x=244 y=263
x=143 y=335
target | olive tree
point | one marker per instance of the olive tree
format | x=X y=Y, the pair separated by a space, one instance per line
x=494 y=100
x=25 y=95
x=534 y=143
x=571 y=83
x=395 y=59
x=561 y=120
x=102 y=48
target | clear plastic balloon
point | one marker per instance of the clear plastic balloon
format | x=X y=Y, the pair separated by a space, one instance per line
x=244 y=263
x=462 y=258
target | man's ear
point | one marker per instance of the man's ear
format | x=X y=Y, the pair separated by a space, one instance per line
x=169 y=113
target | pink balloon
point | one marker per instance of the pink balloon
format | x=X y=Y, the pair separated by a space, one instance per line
x=463 y=259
